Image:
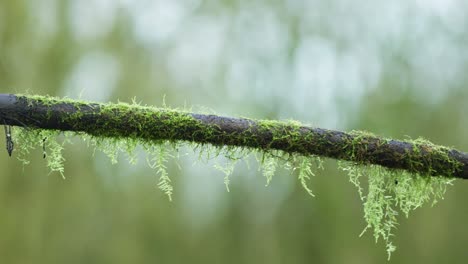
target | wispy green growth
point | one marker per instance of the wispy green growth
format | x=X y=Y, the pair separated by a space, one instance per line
x=389 y=191
x=305 y=172
x=227 y=170
x=28 y=139
x=157 y=159
x=304 y=165
x=53 y=152
x=232 y=156
x=268 y=164
x=120 y=128
x=112 y=147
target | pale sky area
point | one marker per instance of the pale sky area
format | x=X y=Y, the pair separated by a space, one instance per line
x=253 y=47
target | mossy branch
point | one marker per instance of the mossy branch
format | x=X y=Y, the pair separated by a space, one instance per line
x=158 y=124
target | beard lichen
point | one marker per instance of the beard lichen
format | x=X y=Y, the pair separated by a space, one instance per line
x=387 y=190
x=390 y=190
x=157 y=160
x=159 y=152
x=268 y=165
x=28 y=139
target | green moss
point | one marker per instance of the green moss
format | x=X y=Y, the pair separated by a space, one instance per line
x=436 y=158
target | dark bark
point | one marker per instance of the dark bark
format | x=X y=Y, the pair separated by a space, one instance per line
x=152 y=124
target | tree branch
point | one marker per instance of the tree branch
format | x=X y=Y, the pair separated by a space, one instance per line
x=156 y=124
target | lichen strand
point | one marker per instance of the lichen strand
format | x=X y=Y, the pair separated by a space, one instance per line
x=306 y=171
x=227 y=169
x=28 y=139
x=157 y=160
x=390 y=190
x=268 y=165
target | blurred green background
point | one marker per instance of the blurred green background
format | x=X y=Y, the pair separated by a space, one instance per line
x=396 y=68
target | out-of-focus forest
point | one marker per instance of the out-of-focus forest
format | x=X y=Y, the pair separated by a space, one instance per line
x=396 y=68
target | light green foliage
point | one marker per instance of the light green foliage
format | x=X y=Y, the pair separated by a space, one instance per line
x=112 y=147
x=387 y=193
x=227 y=170
x=304 y=175
x=268 y=165
x=390 y=190
x=158 y=153
x=304 y=166
x=232 y=154
x=157 y=160
x=28 y=139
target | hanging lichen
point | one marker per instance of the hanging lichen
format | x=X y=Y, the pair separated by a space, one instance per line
x=388 y=191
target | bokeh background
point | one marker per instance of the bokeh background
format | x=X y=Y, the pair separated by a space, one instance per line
x=396 y=68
